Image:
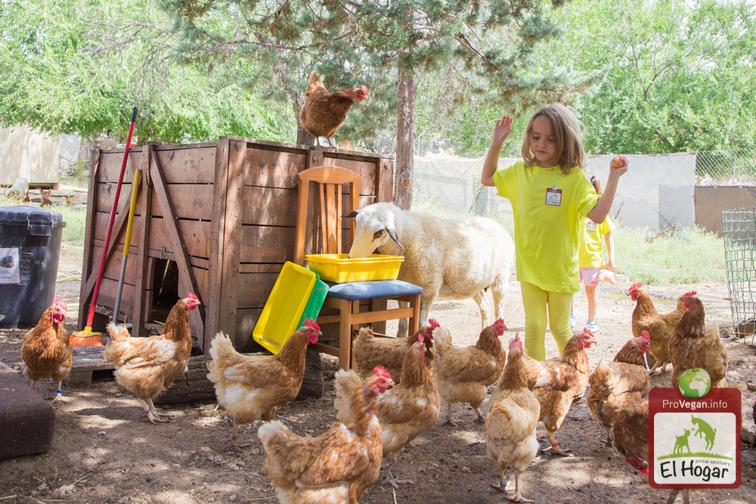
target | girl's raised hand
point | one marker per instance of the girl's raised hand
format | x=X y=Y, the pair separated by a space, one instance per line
x=502 y=129
x=618 y=166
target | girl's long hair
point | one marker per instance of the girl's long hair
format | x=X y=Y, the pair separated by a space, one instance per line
x=567 y=132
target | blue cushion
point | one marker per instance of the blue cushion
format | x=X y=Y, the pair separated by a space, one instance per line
x=355 y=291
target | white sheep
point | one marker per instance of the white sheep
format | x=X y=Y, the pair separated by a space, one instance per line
x=455 y=258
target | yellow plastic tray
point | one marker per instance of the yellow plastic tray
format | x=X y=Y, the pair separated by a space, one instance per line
x=284 y=307
x=339 y=268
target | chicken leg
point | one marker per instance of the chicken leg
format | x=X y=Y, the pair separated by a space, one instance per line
x=149 y=413
x=504 y=488
x=390 y=478
x=685 y=496
x=554 y=448
x=59 y=393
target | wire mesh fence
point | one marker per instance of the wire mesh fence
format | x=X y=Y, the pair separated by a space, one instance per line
x=736 y=167
x=739 y=232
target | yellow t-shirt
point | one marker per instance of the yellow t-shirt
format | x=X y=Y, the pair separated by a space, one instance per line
x=592 y=243
x=549 y=208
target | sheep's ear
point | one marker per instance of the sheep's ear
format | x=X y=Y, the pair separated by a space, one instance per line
x=393 y=236
x=353 y=213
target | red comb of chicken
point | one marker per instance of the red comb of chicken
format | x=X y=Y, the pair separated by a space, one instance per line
x=516 y=342
x=634 y=287
x=690 y=293
x=433 y=323
x=193 y=296
x=60 y=304
x=587 y=332
x=312 y=324
x=382 y=372
x=646 y=336
x=499 y=327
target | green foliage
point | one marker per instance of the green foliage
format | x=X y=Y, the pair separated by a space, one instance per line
x=690 y=255
x=672 y=76
x=487 y=46
x=80 y=66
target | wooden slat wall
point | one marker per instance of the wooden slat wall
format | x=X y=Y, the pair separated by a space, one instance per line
x=235 y=208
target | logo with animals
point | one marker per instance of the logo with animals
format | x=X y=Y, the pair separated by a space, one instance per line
x=695 y=441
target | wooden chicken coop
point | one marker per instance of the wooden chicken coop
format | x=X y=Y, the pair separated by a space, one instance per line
x=214 y=218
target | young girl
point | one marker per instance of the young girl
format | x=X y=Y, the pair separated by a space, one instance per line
x=591 y=252
x=550 y=197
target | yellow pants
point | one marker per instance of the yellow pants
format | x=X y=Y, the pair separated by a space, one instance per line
x=536 y=302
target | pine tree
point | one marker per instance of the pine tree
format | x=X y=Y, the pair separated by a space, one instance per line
x=385 y=45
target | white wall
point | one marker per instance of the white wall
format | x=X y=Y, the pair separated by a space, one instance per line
x=657 y=190
x=29 y=154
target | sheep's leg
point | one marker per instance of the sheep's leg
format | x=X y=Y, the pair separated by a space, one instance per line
x=485 y=312
x=498 y=289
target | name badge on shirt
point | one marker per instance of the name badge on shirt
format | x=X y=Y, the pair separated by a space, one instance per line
x=553 y=196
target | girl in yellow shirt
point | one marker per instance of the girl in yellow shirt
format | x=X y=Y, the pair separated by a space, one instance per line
x=550 y=197
x=591 y=259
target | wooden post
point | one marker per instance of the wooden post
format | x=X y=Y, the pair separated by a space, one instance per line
x=86 y=266
x=231 y=235
x=405 y=138
x=217 y=242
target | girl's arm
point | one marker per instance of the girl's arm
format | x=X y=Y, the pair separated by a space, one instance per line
x=501 y=132
x=609 y=250
x=617 y=168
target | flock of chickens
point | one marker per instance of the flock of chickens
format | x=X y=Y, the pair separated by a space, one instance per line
x=398 y=386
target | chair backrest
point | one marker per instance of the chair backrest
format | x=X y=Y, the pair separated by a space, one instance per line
x=329 y=180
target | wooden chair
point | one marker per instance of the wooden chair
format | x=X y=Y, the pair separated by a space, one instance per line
x=346 y=297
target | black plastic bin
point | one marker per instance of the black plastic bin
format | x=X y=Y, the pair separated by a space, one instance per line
x=29 y=250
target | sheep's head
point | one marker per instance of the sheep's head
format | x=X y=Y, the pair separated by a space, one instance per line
x=375 y=225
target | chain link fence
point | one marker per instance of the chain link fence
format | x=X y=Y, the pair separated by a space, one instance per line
x=739 y=232
x=726 y=168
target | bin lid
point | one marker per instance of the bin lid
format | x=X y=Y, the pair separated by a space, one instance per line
x=25 y=215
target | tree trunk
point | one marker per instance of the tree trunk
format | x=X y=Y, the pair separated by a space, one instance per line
x=405 y=138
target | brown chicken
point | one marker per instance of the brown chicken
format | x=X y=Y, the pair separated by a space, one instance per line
x=614 y=386
x=629 y=434
x=559 y=381
x=323 y=112
x=463 y=373
x=511 y=422
x=252 y=387
x=369 y=351
x=695 y=345
x=660 y=327
x=147 y=366
x=340 y=464
x=411 y=407
x=45 y=349
x=635 y=351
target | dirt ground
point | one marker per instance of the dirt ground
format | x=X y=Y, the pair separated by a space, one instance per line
x=105 y=451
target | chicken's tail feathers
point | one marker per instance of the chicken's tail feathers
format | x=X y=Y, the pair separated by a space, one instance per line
x=221 y=350
x=347 y=382
x=442 y=339
x=270 y=431
x=117 y=333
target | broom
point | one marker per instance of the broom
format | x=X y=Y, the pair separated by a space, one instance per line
x=92 y=337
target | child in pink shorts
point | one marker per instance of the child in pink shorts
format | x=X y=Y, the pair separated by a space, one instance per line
x=593 y=269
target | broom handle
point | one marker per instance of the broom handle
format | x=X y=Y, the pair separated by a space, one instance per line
x=101 y=269
x=124 y=260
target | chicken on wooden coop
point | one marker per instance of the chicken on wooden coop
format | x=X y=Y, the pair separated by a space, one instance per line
x=697 y=345
x=147 y=366
x=659 y=326
x=324 y=112
x=369 y=350
x=338 y=465
x=252 y=387
x=511 y=422
x=558 y=382
x=45 y=349
x=463 y=373
x=411 y=407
